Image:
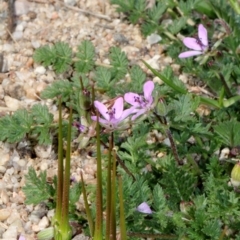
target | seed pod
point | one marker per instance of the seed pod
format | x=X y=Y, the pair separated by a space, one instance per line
x=235 y=175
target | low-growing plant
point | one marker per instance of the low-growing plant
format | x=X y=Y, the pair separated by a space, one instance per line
x=164 y=169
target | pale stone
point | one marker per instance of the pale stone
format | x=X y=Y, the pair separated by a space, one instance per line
x=4 y=159
x=40 y=70
x=43 y=151
x=12 y=103
x=4 y=214
x=43 y=223
x=153 y=38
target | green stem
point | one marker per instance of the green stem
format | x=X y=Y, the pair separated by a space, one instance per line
x=99 y=214
x=88 y=212
x=60 y=165
x=64 y=227
x=122 y=215
x=113 y=202
x=227 y=89
x=109 y=199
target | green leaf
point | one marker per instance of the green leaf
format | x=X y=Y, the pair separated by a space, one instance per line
x=177 y=25
x=212 y=229
x=41 y=114
x=85 y=57
x=74 y=193
x=119 y=61
x=37 y=189
x=58 y=55
x=156 y=12
x=43 y=134
x=61 y=88
x=184 y=106
x=159 y=199
x=228 y=132
x=103 y=78
x=167 y=81
x=45 y=55
x=138 y=77
x=63 y=57
x=14 y=128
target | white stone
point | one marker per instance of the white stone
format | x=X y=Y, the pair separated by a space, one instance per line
x=11 y=232
x=12 y=103
x=70 y=2
x=43 y=223
x=153 y=38
x=17 y=35
x=40 y=70
x=21 y=7
x=43 y=151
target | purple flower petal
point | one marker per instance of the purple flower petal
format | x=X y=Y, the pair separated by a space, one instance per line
x=102 y=109
x=131 y=98
x=139 y=112
x=192 y=43
x=22 y=237
x=118 y=107
x=101 y=120
x=147 y=89
x=189 y=54
x=202 y=35
x=127 y=112
x=144 y=208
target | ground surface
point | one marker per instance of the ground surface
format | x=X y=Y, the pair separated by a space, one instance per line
x=34 y=24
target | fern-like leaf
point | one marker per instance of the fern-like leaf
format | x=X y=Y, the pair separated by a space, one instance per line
x=85 y=56
x=119 y=61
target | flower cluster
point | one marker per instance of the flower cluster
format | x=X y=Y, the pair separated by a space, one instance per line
x=114 y=116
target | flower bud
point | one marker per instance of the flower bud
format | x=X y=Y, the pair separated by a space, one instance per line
x=235 y=175
x=46 y=234
x=161 y=108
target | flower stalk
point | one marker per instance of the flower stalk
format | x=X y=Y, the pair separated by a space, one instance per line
x=109 y=187
x=98 y=233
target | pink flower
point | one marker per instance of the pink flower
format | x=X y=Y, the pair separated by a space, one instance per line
x=113 y=115
x=21 y=237
x=141 y=104
x=144 y=208
x=199 y=44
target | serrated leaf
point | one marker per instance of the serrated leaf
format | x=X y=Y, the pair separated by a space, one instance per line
x=14 y=128
x=156 y=12
x=119 y=61
x=103 y=78
x=212 y=229
x=85 y=57
x=61 y=88
x=159 y=200
x=36 y=188
x=177 y=25
x=74 y=193
x=184 y=107
x=45 y=55
x=63 y=57
x=43 y=135
x=138 y=77
x=41 y=114
x=229 y=132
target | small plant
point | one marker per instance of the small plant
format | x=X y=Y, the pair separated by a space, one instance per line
x=164 y=168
